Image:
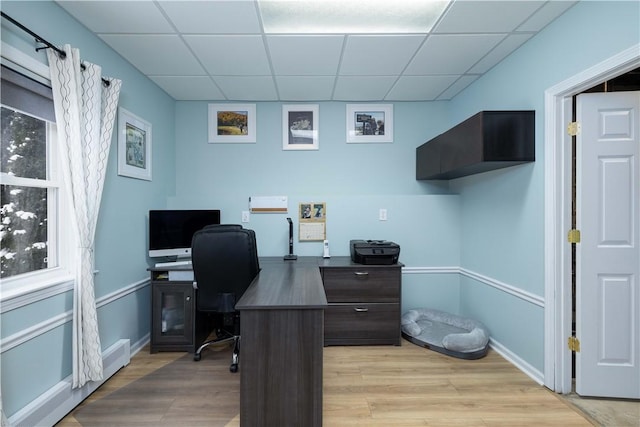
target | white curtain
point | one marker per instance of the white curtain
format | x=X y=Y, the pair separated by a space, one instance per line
x=85 y=111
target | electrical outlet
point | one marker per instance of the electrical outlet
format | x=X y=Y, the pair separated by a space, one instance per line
x=245 y=216
x=383 y=215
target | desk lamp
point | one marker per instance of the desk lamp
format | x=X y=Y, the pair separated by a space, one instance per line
x=291 y=256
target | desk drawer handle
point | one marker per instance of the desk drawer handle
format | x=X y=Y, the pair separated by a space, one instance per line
x=361 y=273
x=361 y=310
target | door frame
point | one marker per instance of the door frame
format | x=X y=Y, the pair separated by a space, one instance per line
x=557 y=223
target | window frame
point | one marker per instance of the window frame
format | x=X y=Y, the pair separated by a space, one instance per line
x=25 y=288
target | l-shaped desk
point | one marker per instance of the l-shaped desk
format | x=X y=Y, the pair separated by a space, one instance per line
x=288 y=314
x=284 y=330
x=281 y=325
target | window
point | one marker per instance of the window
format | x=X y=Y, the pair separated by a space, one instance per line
x=31 y=191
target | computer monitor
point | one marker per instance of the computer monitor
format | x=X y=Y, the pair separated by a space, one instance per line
x=170 y=231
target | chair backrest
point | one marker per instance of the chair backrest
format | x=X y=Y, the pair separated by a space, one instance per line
x=225 y=261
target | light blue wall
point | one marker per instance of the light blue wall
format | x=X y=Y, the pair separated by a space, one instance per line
x=355 y=181
x=33 y=367
x=490 y=224
x=502 y=212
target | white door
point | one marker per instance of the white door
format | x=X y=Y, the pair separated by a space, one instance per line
x=608 y=258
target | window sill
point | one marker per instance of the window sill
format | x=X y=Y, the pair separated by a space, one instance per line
x=32 y=288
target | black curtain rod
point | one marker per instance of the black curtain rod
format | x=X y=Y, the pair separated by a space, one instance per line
x=39 y=39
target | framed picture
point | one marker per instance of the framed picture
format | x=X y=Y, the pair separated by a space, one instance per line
x=134 y=146
x=232 y=123
x=300 y=127
x=369 y=123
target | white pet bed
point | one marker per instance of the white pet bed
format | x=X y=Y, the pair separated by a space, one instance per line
x=446 y=333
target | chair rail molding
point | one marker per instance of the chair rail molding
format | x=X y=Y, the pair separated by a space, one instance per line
x=14 y=340
x=504 y=287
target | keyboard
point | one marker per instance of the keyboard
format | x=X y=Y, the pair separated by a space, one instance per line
x=173 y=264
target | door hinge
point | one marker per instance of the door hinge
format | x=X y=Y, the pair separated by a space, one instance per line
x=573 y=128
x=574 y=236
x=574 y=344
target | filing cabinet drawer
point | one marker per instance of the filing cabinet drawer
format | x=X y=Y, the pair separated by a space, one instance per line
x=362 y=324
x=355 y=284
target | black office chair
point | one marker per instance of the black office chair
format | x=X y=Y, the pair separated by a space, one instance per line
x=225 y=262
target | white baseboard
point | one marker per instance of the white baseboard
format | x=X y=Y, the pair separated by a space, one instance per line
x=51 y=406
x=515 y=360
x=137 y=346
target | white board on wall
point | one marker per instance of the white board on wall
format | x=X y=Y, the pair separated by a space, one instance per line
x=268 y=204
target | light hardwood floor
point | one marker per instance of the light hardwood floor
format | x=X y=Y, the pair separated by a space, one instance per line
x=396 y=386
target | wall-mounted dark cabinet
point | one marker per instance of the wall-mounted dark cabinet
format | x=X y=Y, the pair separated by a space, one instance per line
x=486 y=141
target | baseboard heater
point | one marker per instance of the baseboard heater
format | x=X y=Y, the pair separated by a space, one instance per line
x=54 y=404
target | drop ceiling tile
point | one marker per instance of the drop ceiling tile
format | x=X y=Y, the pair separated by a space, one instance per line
x=302 y=88
x=192 y=88
x=367 y=43
x=155 y=54
x=213 y=17
x=118 y=16
x=457 y=87
x=451 y=54
x=231 y=55
x=378 y=55
x=547 y=13
x=505 y=48
x=496 y=16
x=247 y=88
x=305 y=55
x=363 y=88
x=420 y=88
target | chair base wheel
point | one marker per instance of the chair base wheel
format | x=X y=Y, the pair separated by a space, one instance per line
x=233 y=368
x=197 y=356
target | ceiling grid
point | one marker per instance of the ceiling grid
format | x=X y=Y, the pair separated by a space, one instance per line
x=314 y=50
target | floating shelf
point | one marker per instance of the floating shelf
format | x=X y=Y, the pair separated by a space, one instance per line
x=486 y=141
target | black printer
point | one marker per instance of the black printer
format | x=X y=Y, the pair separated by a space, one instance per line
x=374 y=252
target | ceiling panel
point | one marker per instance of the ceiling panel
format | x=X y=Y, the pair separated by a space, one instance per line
x=304 y=55
x=543 y=16
x=420 y=88
x=212 y=17
x=363 y=88
x=452 y=53
x=504 y=48
x=156 y=54
x=486 y=16
x=249 y=88
x=231 y=54
x=458 y=86
x=110 y=17
x=314 y=50
x=192 y=87
x=378 y=55
x=301 y=88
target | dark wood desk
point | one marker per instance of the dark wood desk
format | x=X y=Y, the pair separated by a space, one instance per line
x=282 y=329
